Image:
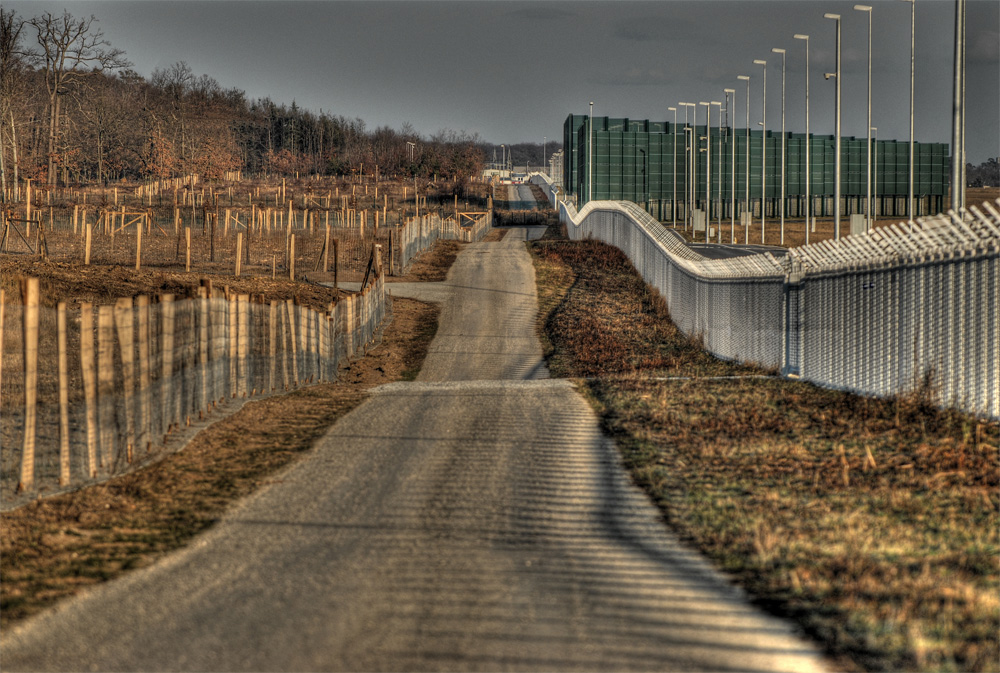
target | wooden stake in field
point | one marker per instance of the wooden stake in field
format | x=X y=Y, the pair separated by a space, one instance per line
x=239 y=252
x=29 y=295
x=291 y=257
x=138 y=246
x=187 y=249
x=326 y=249
x=86 y=245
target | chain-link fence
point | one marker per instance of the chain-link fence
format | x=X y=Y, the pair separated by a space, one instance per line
x=87 y=391
x=906 y=306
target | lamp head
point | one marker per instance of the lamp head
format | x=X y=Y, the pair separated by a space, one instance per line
x=743 y=77
x=836 y=17
x=730 y=90
x=776 y=50
x=799 y=36
x=863 y=8
x=758 y=61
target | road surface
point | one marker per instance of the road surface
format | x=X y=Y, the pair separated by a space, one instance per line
x=475 y=519
x=726 y=250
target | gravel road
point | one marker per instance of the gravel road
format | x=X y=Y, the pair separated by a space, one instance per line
x=475 y=519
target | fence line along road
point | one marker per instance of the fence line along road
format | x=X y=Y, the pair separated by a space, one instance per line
x=87 y=392
x=879 y=313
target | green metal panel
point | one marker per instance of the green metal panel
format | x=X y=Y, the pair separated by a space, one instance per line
x=618 y=162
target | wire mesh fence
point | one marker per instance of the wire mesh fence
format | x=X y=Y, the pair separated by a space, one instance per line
x=911 y=305
x=86 y=392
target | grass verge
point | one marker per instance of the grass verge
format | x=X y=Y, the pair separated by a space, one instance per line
x=873 y=523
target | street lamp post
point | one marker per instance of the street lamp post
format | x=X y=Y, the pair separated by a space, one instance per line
x=868 y=175
x=689 y=147
x=763 y=150
x=875 y=173
x=644 y=164
x=730 y=134
x=708 y=165
x=746 y=198
x=590 y=154
x=958 y=114
x=809 y=219
x=673 y=201
x=782 y=203
x=544 y=163
x=909 y=201
x=718 y=171
x=836 y=143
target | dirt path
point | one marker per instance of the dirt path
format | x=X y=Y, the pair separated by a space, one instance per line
x=475 y=519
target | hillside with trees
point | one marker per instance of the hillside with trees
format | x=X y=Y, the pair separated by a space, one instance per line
x=74 y=112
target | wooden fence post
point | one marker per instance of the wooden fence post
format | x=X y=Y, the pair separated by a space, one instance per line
x=204 y=396
x=349 y=325
x=29 y=293
x=292 y=330
x=291 y=257
x=64 y=475
x=106 y=384
x=284 y=345
x=272 y=347
x=167 y=372
x=187 y=248
x=87 y=365
x=124 y=321
x=233 y=386
x=243 y=322
x=145 y=394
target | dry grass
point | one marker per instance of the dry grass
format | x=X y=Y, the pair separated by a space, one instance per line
x=872 y=523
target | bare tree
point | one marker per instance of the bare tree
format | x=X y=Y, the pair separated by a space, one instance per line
x=14 y=61
x=71 y=49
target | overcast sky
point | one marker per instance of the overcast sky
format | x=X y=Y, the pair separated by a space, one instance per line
x=511 y=71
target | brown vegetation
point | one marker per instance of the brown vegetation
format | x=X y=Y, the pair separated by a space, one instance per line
x=873 y=523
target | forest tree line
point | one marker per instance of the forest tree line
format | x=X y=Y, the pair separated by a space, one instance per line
x=73 y=111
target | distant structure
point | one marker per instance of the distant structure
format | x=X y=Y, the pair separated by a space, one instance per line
x=556 y=168
x=635 y=160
